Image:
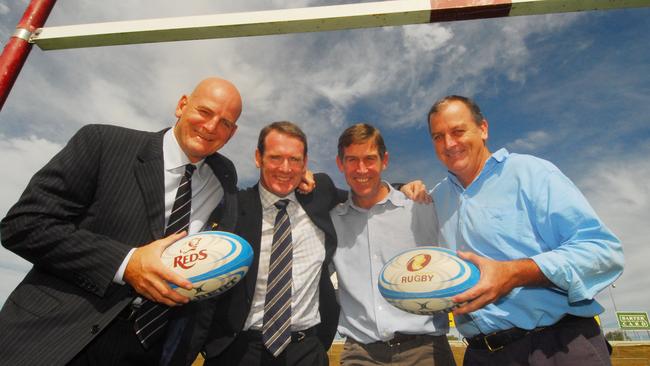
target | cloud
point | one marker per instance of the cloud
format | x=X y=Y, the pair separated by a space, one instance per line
x=4 y=9
x=617 y=189
x=21 y=158
x=313 y=79
x=386 y=76
x=532 y=141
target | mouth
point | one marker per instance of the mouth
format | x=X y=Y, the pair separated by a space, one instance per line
x=205 y=138
x=361 y=180
x=282 y=179
x=454 y=154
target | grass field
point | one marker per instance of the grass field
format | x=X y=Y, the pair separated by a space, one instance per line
x=625 y=353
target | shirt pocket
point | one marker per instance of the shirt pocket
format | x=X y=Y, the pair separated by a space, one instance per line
x=504 y=233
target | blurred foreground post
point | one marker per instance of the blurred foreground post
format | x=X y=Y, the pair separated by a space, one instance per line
x=15 y=52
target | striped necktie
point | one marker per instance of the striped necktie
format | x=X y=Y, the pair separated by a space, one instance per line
x=276 y=332
x=151 y=317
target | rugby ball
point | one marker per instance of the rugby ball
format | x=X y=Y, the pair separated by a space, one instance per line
x=422 y=280
x=213 y=261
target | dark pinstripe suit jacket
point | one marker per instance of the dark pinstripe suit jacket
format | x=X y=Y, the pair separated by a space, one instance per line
x=219 y=320
x=79 y=216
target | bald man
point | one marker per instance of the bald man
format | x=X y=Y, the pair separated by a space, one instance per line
x=94 y=221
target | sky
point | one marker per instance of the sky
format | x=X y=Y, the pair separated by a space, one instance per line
x=570 y=88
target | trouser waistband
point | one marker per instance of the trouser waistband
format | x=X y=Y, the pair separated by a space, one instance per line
x=497 y=340
x=400 y=338
x=296 y=336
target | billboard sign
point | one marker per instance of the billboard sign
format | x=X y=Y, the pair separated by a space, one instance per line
x=633 y=320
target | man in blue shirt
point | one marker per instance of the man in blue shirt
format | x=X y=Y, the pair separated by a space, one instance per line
x=372 y=226
x=542 y=251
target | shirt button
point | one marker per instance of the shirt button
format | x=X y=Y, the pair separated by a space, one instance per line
x=94 y=329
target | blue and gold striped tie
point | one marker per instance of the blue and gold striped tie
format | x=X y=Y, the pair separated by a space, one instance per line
x=276 y=332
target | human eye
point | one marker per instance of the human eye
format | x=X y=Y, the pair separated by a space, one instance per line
x=204 y=112
x=227 y=124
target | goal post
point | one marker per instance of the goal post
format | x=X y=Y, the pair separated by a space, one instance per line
x=300 y=20
x=30 y=29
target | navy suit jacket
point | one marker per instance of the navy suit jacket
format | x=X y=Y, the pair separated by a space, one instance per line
x=224 y=318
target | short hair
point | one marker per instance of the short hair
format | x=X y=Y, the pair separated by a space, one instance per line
x=284 y=127
x=360 y=133
x=468 y=102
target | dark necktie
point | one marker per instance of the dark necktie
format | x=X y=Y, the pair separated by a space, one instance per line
x=276 y=332
x=151 y=317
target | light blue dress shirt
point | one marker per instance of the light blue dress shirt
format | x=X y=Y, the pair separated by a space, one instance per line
x=367 y=239
x=519 y=207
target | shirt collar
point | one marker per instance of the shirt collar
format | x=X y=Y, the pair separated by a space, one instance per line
x=496 y=158
x=268 y=199
x=173 y=156
x=395 y=197
x=500 y=155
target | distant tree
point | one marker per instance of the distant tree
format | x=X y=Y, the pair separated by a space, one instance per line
x=616 y=335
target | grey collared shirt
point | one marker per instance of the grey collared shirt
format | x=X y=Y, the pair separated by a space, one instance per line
x=367 y=239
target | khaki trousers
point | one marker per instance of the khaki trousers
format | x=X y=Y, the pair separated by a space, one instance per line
x=423 y=350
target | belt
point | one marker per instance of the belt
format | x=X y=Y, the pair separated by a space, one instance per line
x=498 y=340
x=296 y=336
x=398 y=339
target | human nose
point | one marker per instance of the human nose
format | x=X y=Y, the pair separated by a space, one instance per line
x=449 y=141
x=285 y=166
x=212 y=124
x=362 y=168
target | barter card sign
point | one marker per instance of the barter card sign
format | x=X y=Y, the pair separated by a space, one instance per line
x=633 y=320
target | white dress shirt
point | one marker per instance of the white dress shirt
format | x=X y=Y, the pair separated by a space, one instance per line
x=207 y=191
x=308 y=256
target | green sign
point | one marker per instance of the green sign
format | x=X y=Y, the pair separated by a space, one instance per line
x=633 y=320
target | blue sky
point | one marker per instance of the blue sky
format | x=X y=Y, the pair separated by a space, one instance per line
x=571 y=88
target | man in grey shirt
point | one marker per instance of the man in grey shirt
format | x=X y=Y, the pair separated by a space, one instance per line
x=373 y=225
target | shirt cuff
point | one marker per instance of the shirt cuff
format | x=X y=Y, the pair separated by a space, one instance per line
x=120 y=271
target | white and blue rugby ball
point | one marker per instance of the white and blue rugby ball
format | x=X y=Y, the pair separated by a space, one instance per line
x=423 y=280
x=214 y=261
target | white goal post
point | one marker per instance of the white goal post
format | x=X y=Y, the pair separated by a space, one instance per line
x=298 y=20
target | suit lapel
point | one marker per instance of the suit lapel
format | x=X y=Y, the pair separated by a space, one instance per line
x=149 y=172
x=224 y=216
x=250 y=221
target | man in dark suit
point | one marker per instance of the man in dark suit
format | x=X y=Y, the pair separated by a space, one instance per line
x=93 y=223
x=238 y=333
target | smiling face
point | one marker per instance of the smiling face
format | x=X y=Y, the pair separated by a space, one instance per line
x=459 y=141
x=282 y=164
x=207 y=118
x=362 y=166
